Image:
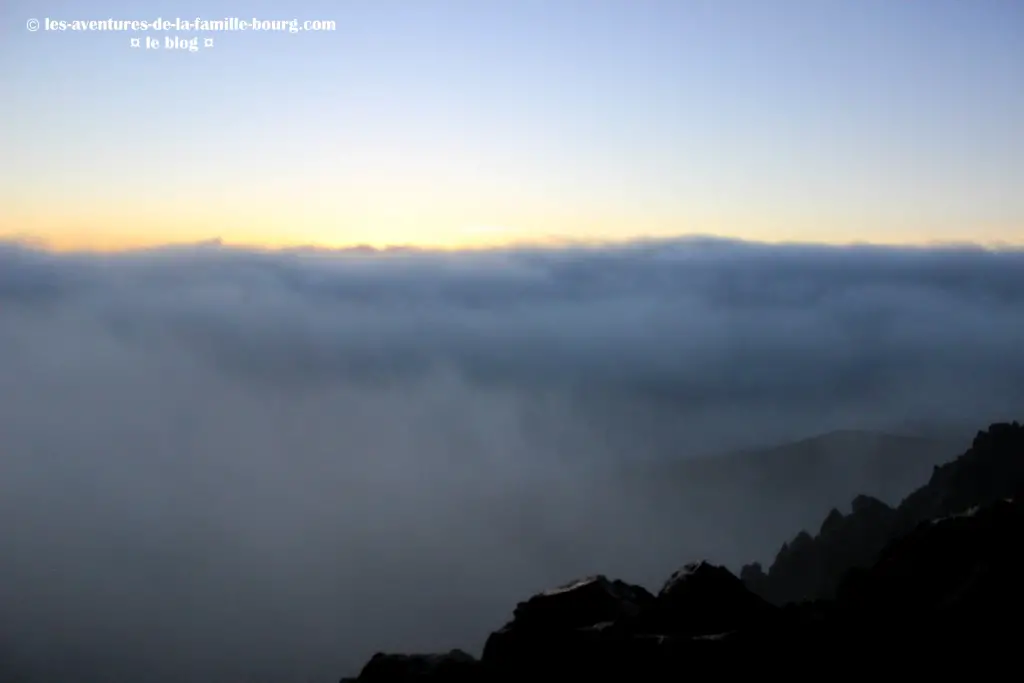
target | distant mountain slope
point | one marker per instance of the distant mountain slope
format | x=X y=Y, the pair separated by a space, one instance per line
x=758 y=496
x=886 y=466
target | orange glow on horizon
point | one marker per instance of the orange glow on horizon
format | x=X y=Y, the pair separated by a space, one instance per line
x=101 y=229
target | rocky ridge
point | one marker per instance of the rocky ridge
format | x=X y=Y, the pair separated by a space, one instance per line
x=812 y=567
x=916 y=588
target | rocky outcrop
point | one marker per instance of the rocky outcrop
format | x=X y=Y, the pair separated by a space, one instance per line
x=812 y=567
x=932 y=597
x=596 y=626
x=704 y=599
x=558 y=623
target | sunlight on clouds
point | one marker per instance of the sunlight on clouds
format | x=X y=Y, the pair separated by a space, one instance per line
x=286 y=220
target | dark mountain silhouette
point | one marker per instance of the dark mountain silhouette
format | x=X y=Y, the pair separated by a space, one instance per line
x=812 y=566
x=922 y=586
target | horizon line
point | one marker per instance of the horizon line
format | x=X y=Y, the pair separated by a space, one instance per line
x=553 y=243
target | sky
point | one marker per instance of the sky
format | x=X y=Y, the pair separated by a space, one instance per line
x=467 y=123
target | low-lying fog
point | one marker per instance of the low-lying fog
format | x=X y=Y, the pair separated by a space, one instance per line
x=220 y=464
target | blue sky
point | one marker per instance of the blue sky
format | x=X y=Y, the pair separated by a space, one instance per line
x=464 y=123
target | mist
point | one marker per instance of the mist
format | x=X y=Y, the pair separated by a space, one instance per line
x=228 y=464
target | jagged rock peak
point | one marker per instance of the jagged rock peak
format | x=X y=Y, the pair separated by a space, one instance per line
x=862 y=504
x=833 y=521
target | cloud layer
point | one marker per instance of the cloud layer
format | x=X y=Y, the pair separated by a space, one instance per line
x=237 y=462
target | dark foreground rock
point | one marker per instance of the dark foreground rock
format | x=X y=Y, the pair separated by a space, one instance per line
x=546 y=624
x=704 y=599
x=942 y=597
x=455 y=666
